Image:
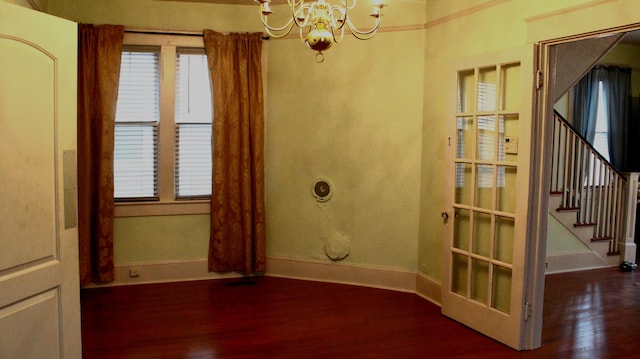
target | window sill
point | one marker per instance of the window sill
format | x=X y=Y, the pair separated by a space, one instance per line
x=172 y=208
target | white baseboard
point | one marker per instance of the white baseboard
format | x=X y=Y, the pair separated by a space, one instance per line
x=575 y=261
x=335 y=272
x=629 y=251
x=162 y=272
x=429 y=289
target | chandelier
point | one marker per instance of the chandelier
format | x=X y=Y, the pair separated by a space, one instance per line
x=322 y=22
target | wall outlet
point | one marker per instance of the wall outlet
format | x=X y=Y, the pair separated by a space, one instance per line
x=133 y=273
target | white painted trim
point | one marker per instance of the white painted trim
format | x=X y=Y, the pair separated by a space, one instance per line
x=314 y=270
x=629 y=251
x=576 y=261
x=163 y=272
x=429 y=288
x=332 y=272
x=336 y=272
x=627 y=245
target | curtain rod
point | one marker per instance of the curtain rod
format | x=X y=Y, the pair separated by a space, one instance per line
x=164 y=32
x=175 y=32
x=609 y=64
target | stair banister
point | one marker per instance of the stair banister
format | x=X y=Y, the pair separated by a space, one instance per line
x=588 y=184
x=627 y=247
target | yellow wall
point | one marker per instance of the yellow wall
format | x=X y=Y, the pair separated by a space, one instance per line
x=456 y=32
x=24 y=3
x=372 y=119
x=626 y=55
x=162 y=238
x=560 y=240
x=355 y=119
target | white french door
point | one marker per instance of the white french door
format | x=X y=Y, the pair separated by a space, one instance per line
x=489 y=152
x=39 y=291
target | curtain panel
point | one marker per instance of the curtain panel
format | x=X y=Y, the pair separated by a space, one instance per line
x=585 y=105
x=237 y=237
x=617 y=90
x=99 y=56
x=622 y=130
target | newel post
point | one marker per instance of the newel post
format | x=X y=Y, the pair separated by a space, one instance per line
x=627 y=247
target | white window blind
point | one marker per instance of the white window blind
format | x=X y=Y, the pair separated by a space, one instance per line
x=485 y=150
x=136 y=131
x=193 y=118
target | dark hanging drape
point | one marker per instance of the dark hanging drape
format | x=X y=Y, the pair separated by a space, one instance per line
x=616 y=84
x=633 y=160
x=99 y=54
x=237 y=241
x=585 y=104
x=622 y=129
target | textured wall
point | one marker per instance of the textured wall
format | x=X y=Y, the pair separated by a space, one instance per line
x=355 y=119
x=372 y=118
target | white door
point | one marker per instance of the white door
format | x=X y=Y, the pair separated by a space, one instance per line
x=39 y=291
x=489 y=152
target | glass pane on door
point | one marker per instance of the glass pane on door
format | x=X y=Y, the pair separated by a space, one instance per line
x=464 y=181
x=485 y=185
x=461 y=229
x=501 y=286
x=487 y=89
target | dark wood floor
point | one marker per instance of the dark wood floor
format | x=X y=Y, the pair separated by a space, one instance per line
x=590 y=314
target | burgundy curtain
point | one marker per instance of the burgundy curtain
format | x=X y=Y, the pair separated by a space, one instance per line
x=237 y=241
x=99 y=54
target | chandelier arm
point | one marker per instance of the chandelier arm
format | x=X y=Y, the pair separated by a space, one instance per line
x=338 y=39
x=303 y=7
x=343 y=16
x=363 y=35
x=303 y=38
x=323 y=22
x=277 y=32
x=345 y=3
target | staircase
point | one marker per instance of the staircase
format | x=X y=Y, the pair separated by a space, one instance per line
x=591 y=200
x=593 y=254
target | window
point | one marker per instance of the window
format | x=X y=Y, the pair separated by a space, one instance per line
x=163 y=137
x=601 y=139
x=193 y=125
x=136 y=132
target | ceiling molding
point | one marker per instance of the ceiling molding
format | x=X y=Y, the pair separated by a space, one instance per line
x=465 y=12
x=227 y=2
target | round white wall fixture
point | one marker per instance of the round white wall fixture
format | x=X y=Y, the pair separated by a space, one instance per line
x=337 y=246
x=322 y=189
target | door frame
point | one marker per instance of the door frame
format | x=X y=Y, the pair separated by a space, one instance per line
x=545 y=38
x=545 y=31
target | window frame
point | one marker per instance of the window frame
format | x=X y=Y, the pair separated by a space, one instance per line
x=167 y=204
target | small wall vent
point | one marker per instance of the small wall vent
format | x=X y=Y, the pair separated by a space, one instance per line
x=322 y=189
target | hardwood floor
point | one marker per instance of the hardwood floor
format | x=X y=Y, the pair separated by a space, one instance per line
x=590 y=314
